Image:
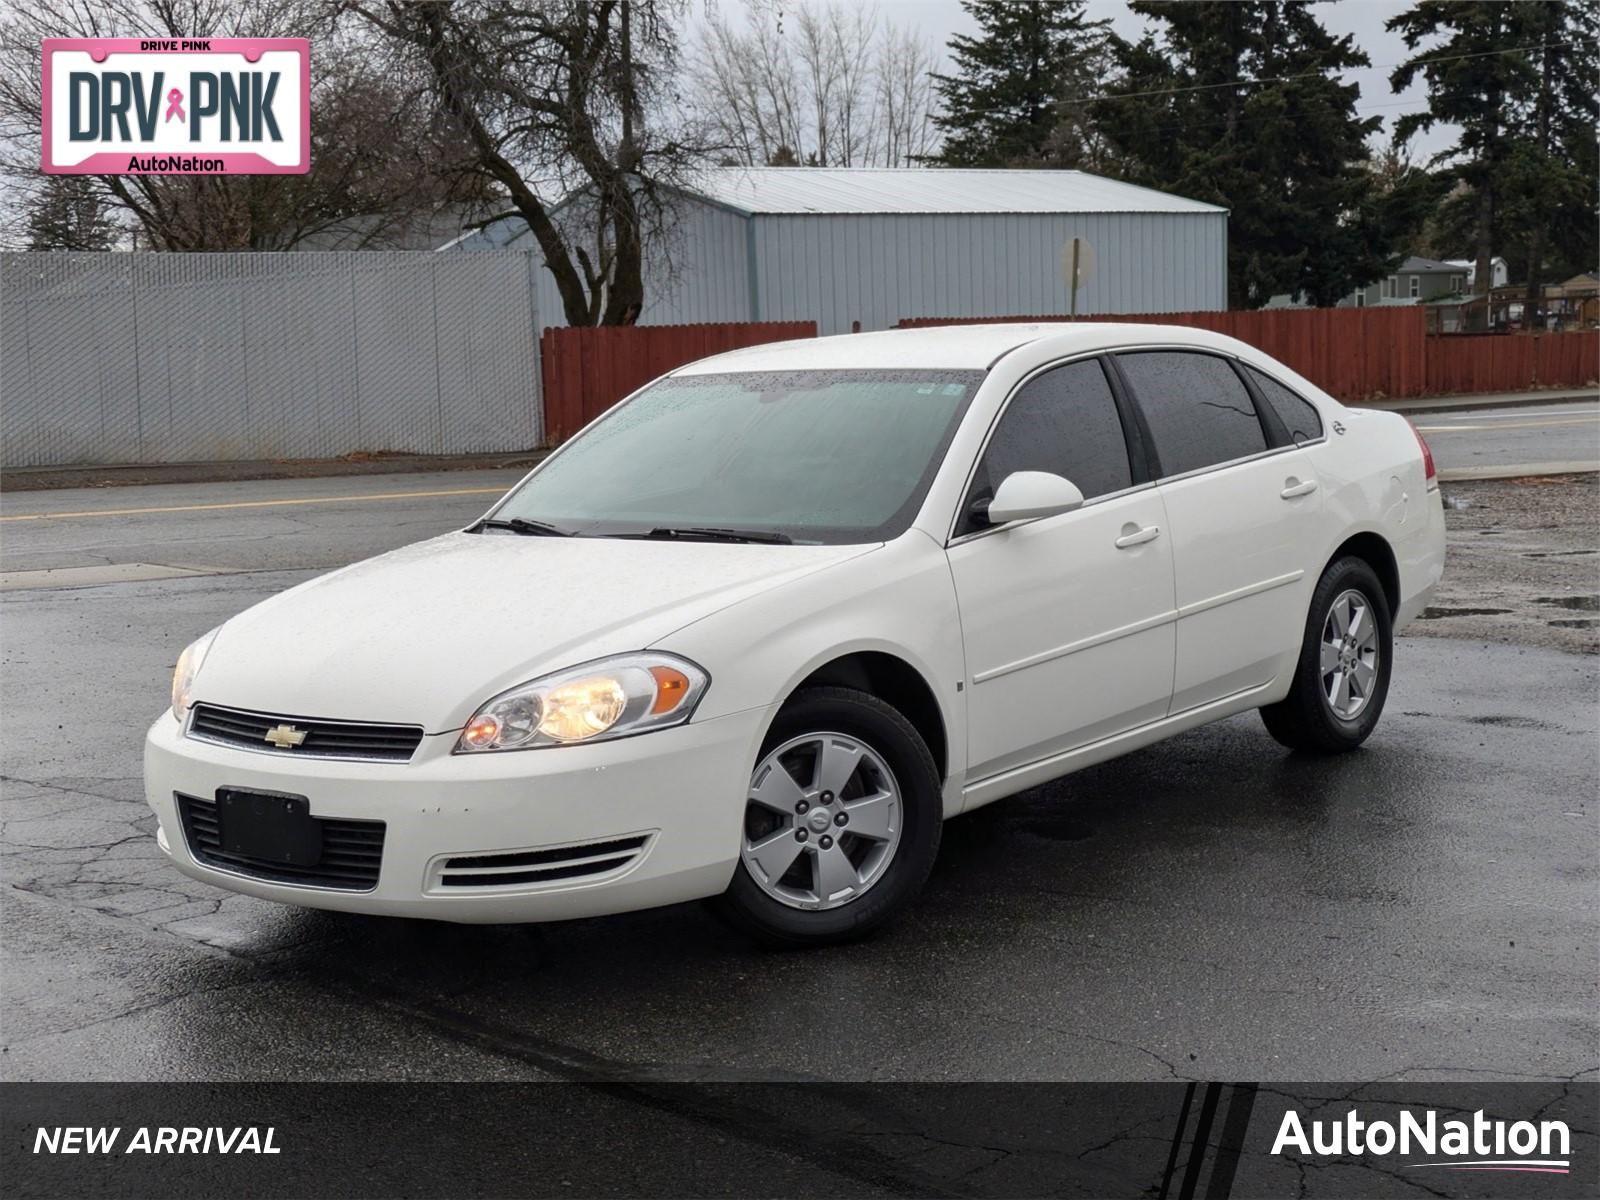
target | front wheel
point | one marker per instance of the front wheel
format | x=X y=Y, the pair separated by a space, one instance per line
x=841 y=825
x=1342 y=677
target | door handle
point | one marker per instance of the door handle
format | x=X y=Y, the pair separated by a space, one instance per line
x=1136 y=536
x=1294 y=488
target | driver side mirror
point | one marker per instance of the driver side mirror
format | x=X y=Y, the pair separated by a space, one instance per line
x=1024 y=495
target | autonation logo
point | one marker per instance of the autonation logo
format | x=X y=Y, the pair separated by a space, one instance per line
x=1476 y=1144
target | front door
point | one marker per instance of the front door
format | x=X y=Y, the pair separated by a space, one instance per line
x=1066 y=620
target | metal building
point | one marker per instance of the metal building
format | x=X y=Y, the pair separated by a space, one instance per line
x=874 y=245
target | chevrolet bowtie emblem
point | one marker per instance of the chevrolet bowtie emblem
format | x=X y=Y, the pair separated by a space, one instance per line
x=285 y=737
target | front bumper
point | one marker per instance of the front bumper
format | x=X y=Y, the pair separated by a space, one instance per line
x=683 y=789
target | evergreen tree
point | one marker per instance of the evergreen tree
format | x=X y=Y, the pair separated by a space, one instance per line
x=70 y=213
x=1241 y=104
x=1522 y=92
x=1012 y=99
x=1472 y=77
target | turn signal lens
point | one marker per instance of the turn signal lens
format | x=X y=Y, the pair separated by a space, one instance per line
x=614 y=697
x=672 y=687
x=579 y=710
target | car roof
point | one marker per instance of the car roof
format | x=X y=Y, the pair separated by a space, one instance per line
x=949 y=347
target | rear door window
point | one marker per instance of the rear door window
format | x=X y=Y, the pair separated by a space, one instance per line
x=1198 y=410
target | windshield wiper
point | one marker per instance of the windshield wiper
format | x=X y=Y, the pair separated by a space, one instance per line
x=708 y=534
x=520 y=525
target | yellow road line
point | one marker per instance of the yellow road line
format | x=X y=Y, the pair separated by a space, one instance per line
x=176 y=508
x=1508 y=425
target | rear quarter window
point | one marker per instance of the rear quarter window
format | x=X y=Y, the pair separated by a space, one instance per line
x=1299 y=416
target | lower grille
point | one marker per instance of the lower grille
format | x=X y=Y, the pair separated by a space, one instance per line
x=352 y=851
x=542 y=866
x=318 y=738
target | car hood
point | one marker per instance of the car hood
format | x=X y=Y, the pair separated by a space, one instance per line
x=425 y=634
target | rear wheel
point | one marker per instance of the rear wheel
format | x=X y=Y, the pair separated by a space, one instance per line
x=1342 y=677
x=841 y=825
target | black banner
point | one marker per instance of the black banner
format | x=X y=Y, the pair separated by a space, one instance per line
x=1165 y=1141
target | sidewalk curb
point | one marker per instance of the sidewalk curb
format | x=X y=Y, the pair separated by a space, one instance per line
x=1433 y=404
x=41 y=479
x=1516 y=471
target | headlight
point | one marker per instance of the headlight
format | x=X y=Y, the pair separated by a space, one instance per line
x=611 y=698
x=188 y=667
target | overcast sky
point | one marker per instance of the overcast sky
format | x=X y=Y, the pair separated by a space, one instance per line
x=1363 y=18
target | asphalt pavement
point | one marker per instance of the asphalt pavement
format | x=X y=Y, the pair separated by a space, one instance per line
x=1526 y=439
x=1209 y=908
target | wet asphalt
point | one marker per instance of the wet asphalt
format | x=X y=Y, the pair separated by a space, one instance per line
x=1536 y=435
x=1210 y=908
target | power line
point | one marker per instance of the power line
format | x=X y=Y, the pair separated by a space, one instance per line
x=1237 y=83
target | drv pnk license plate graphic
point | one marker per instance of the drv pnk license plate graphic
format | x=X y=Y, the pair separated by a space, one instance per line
x=176 y=106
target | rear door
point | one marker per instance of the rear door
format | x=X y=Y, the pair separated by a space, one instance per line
x=1243 y=504
x=1066 y=620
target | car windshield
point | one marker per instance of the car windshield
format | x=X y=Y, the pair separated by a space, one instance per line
x=810 y=456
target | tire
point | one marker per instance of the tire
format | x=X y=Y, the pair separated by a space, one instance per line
x=892 y=795
x=1308 y=718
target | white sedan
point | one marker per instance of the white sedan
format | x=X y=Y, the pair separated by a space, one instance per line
x=756 y=632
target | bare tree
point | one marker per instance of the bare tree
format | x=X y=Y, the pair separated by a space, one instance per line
x=821 y=83
x=835 y=47
x=749 y=88
x=381 y=157
x=562 y=105
x=904 y=83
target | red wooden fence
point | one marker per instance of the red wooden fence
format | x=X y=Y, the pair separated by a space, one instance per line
x=1511 y=363
x=1353 y=353
x=1364 y=353
x=585 y=370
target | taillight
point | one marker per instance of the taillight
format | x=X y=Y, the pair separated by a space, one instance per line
x=1429 y=474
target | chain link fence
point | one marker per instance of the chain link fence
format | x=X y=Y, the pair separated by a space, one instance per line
x=150 y=358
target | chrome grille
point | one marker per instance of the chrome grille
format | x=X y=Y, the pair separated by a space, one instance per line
x=323 y=738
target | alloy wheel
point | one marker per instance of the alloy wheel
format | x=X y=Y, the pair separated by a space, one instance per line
x=823 y=821
x=1350 y=651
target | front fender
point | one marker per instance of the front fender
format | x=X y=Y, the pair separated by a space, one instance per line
x=900 y=601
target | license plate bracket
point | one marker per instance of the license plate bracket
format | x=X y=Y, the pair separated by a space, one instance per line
x=274 y=827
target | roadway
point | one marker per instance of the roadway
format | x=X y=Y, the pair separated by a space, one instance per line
x=1208 y=908
x=1532 y=439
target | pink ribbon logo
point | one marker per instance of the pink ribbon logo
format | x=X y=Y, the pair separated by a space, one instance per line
x=175 y=105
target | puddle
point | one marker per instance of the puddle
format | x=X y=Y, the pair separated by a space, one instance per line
x=1575 y=623
x=1581 y=603
x=1432 y=614
x=1510 y=722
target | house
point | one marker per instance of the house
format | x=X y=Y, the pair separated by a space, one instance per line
x=1497 y=270
x=1574 y=303
x=1414 y=281
x=841 y=245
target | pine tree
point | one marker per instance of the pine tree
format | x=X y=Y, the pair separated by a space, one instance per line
x=1471 y=76
x=1519 y=82
x=1242 y=104
x=1010 y=100
x=70 y=213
